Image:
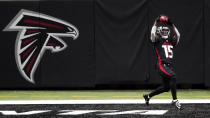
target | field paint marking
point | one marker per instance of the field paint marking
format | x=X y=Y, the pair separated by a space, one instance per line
x=8 y=96
x=125 y=96
x=84 y=96
x=83 y=112
x=23 y=113
x=158 y=97
x=45 y=96
x=202 y=96
x=141 y=112
x=80 y=112
x=137 y=101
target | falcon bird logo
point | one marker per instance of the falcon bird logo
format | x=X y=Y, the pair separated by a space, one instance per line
x=37 y=33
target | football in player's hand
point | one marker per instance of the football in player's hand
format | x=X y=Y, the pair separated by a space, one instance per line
x=164 y=19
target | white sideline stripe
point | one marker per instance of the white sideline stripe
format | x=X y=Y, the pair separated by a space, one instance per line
x=135 y=101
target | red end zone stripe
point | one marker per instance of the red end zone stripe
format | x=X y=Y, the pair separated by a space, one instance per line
x=160 y=64
x=42 y=23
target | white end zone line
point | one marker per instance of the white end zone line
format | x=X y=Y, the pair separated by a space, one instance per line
x=134 y=101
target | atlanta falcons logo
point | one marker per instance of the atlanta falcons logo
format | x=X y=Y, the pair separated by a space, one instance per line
x=37 y=33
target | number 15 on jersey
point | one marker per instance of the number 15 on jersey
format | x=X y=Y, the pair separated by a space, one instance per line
x=168 y=50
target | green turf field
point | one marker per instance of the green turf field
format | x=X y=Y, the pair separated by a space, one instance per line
x=95 y=94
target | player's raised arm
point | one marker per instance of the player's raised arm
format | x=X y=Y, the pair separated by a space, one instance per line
x=153 y=32
x=177 y=34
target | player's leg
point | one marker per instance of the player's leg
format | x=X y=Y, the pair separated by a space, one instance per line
x=175 y=101
x=173 y=88
x=165 y=87
x=172 y=79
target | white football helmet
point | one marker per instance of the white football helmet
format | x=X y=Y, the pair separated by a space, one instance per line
x=163 y=32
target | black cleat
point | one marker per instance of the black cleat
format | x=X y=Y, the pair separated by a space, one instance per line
x=146 y=97
x=177 y=104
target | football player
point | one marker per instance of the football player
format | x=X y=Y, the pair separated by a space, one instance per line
x=165 y=36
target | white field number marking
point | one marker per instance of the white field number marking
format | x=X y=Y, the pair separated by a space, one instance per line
x=81 y=112
x=23 y=113
x=136 y=112
x=168 y=50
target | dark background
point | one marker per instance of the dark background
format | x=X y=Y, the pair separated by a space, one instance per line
x=113 y=48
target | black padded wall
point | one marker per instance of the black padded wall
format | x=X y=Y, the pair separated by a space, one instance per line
x=113 y=45
x=206 y=32
x=121 y=41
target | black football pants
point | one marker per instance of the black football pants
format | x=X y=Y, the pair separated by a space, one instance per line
x=168 y=83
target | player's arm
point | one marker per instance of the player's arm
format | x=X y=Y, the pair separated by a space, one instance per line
x=177 y=34
x=153 y=33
